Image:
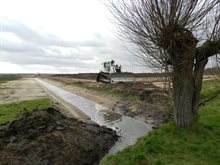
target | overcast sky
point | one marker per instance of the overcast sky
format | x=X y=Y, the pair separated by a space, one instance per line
x=59 y=36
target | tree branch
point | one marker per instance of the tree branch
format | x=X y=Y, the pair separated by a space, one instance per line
x=208 y=49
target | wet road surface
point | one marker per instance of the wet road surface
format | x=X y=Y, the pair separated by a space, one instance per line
x=128 y=128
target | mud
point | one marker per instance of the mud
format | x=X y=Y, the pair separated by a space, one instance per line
x=154 y=105
x=48 y=137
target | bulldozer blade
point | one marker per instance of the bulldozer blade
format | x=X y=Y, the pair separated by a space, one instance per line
x=122 y=77
x=103 y=77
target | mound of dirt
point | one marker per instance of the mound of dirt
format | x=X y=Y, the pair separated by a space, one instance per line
x=48 y=137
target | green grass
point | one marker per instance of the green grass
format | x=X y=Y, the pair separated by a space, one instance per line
x=210 y=88
x=113 y=92
x=106 y=90
x=169 y=144
x=9 y=112
x=5 y=78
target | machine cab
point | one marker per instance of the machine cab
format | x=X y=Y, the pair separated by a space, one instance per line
x=108 y=66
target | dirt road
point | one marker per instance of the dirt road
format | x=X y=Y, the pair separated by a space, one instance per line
x=28 y=89
x=20 y=90
x=99 y=98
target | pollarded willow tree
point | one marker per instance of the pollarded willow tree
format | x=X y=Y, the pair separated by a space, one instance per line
x=180 y=33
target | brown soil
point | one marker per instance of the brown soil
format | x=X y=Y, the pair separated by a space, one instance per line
x=20 y=90
x=153 y=108
x=48 y=137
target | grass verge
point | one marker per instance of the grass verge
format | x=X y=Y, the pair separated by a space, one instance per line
x=210 y=88
x=104 y=89
x=172 y=145
x=111 y=91
x=9 y=112
x=5 y=78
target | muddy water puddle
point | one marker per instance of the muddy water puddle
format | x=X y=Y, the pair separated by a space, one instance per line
x=128 y=128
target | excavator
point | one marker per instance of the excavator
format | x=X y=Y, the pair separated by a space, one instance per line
x=112 y=73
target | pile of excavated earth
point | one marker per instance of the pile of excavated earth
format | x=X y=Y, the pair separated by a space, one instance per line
x=48 y=137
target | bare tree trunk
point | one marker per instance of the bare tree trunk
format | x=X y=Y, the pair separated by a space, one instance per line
x=198 y=76
x=183 y=90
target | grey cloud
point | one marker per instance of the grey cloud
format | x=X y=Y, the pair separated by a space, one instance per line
x=44 y=57
x=39 y=48
x=16 y=47
x=42 y=39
